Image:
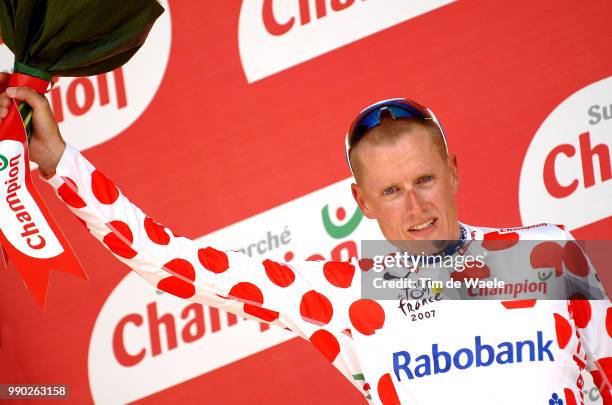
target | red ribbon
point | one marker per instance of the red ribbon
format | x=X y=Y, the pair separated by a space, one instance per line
x=29 y=236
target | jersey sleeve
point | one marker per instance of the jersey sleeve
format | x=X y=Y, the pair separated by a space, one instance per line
x=593 y=320
x=309 y=298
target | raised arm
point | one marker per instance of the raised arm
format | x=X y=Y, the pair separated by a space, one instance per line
x=285 y=294
x=312 y=299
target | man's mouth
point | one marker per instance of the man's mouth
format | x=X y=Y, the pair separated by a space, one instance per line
x=423 y=226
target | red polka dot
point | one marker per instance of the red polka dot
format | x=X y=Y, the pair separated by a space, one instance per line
x=366 y=387
x=314 y=258
x=247 y=292
x=563 y=330
x=156 y=231
x=69 y=194
x=288 y=256
x=316 y=308
x=180 y=267
x=339 y=274
x=103 y=188
x=252 y=296
x=574 y=259
x=213 y=260
x=367 y=316
x=570 y=399
x=609 y=321
x=279 y=274
x=547 y=255
x=120 y=244
x=326 y=343
x=499 y=241
x=581 y=310
x=261 y=313
x=176 y=286
x=604 y=364
x=386 y=391
x=519 y=304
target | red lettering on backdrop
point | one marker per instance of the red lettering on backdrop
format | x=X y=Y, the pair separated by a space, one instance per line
x=321 y=10
x=121 y=354
x=213 y=314
x=274 y=27
x=193 y=330
x=120 y=88
x=154 y=323
x=72 y=99
x=339 y=5
x=80 y=96
x=550 y=177
x=103 y=89
x=304 y=12
x=270 y=22
x=587 y=154
x=197 y=323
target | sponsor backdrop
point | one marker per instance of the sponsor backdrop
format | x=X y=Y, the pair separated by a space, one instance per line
x=228 y=126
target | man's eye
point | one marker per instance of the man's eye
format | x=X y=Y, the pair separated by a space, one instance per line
x=425 y=179
x=389 y=191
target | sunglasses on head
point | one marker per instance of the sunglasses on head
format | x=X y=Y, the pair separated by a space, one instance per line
x=370 y=117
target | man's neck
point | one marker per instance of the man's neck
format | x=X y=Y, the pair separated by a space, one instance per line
x=456 y=243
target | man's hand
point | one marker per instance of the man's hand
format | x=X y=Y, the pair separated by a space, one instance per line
x=46 y=145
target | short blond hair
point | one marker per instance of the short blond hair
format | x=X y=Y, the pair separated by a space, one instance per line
x=390 y=130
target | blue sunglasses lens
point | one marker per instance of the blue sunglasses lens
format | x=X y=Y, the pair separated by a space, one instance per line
x=370 y=119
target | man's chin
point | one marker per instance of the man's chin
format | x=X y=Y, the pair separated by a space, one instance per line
x=421 y=246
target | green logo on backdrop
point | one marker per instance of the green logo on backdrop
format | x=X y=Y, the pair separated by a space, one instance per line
x=3 y=162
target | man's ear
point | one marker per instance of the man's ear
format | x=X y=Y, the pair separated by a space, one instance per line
x=454 y=170
x=359 y=198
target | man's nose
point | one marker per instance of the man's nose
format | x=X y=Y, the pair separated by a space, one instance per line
x=415 y=203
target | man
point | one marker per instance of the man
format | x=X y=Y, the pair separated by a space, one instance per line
x=476 y=352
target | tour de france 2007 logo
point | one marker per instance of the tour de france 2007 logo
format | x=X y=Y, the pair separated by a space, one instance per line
x=3 y=162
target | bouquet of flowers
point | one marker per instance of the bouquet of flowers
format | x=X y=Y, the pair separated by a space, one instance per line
x=54 y=38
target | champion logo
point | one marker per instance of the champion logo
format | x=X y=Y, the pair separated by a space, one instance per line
x=140 y=334
x=276 y=35
x=31 y=233
x=480 y=355
x=23 y=223
x=568 y=163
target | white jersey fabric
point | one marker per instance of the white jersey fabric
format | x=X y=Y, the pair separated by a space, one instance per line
x=442 y=352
